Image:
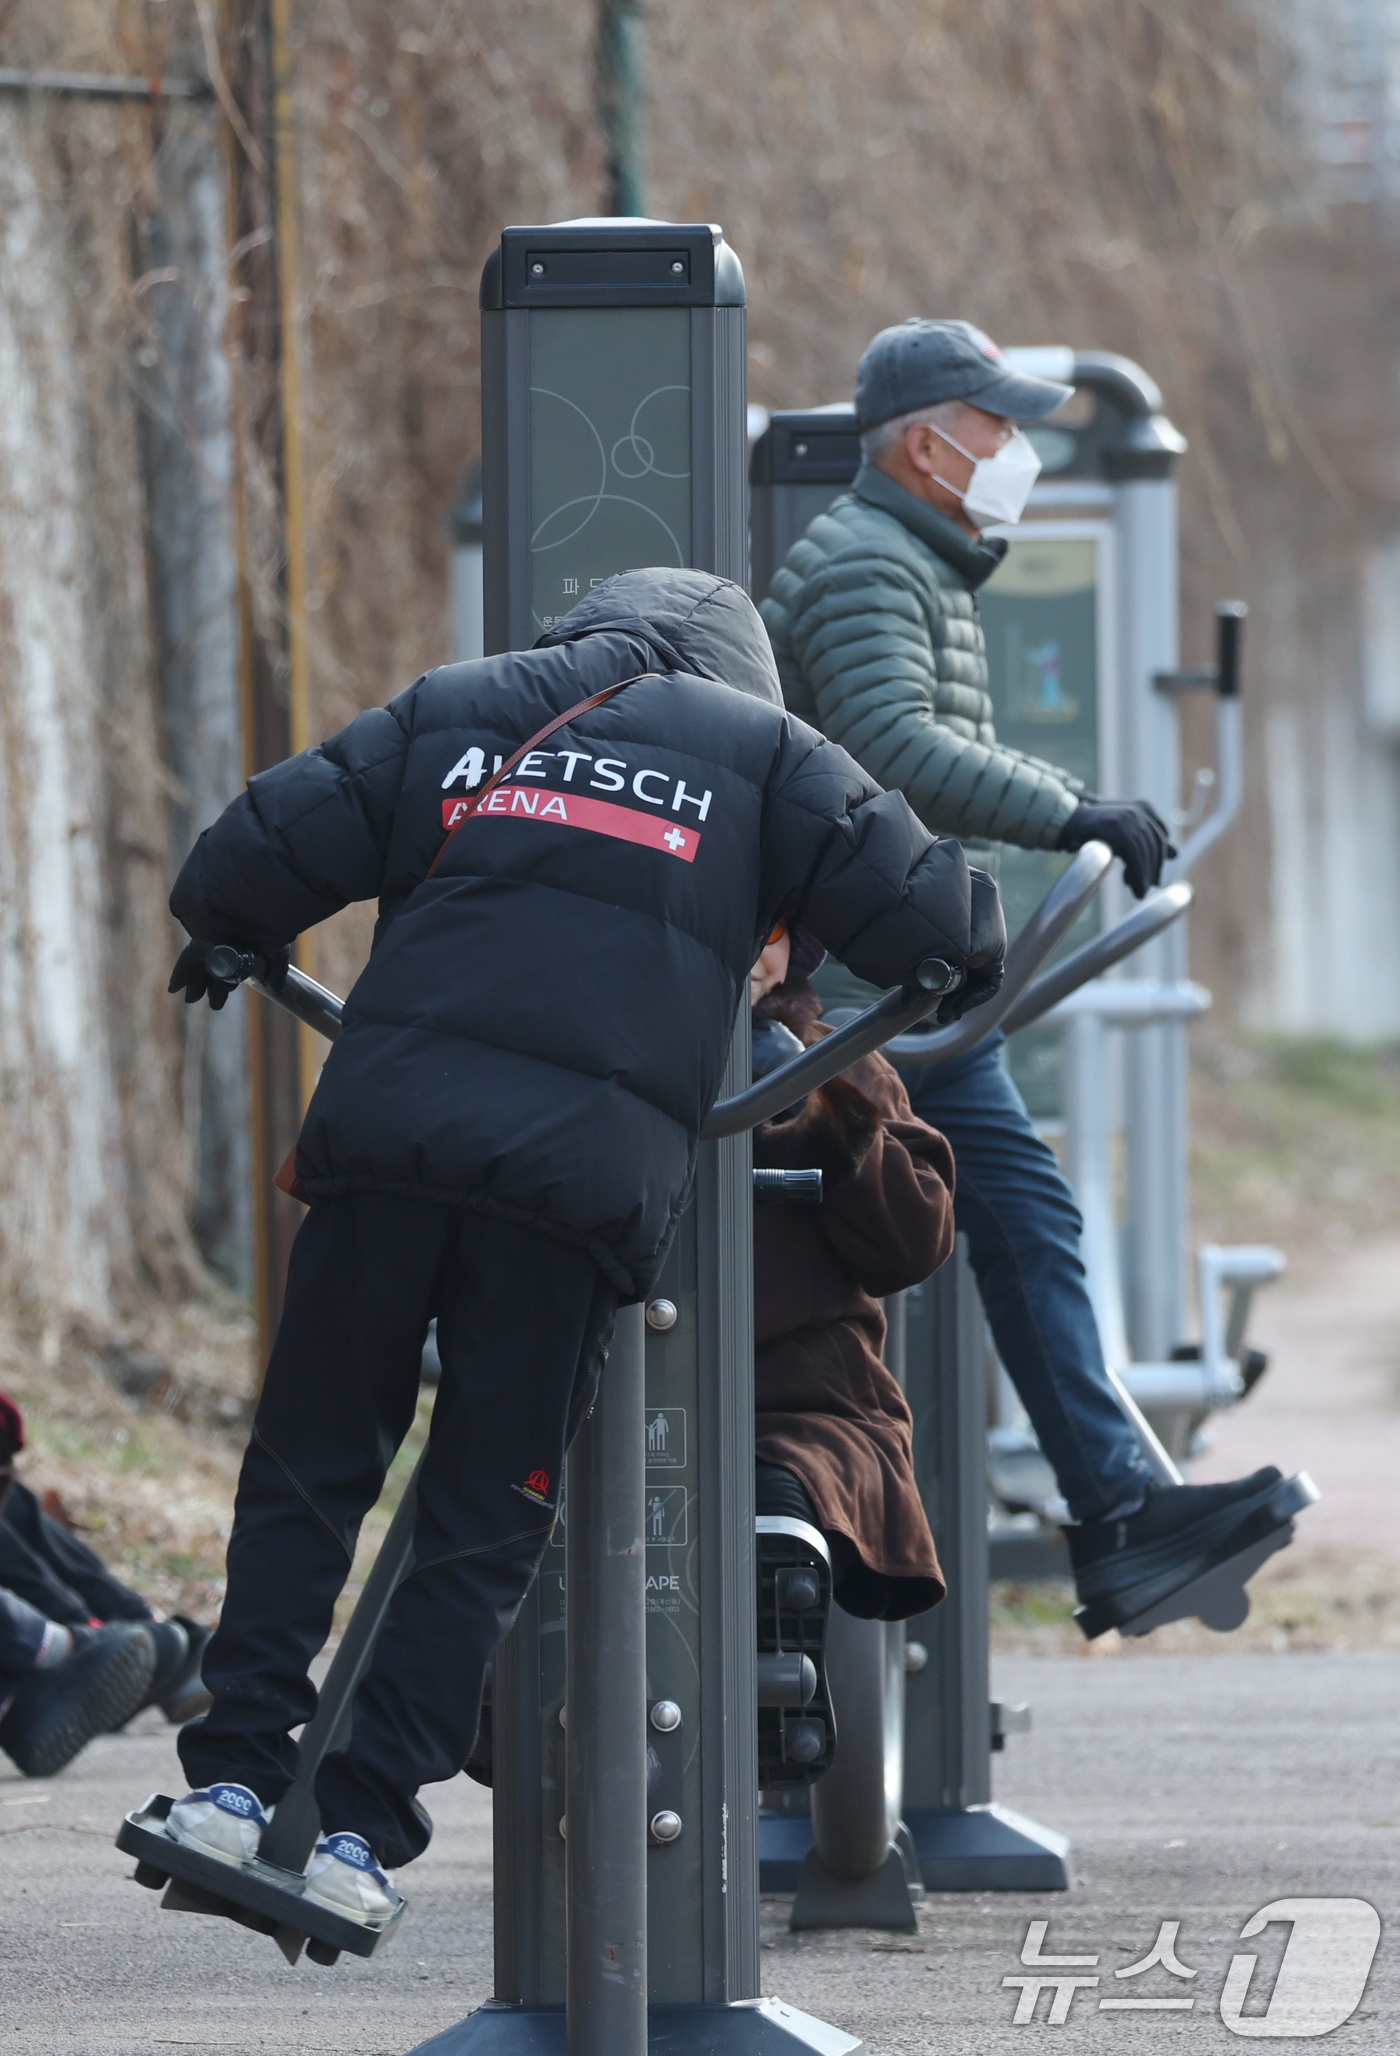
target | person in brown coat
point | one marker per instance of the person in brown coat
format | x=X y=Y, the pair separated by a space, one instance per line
x=834 y=1434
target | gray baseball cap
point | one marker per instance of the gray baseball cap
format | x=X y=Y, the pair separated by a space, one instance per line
x=922 y=362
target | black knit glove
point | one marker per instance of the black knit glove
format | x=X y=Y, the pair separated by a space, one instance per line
x=1133 y=830
x=193 y=977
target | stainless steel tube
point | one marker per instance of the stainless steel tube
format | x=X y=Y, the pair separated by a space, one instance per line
x=605 y=1706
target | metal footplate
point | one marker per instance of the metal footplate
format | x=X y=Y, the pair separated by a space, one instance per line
x=258 y=1896
x=1218 y=1596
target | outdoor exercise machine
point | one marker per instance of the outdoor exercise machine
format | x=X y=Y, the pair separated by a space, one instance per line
x=624 y=1702
x=1081 y=629
x=908 y=1801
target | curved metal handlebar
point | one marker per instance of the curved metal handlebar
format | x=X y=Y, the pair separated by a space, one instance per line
x=1158 y=911
x=325 y=1012
x=890 y=1016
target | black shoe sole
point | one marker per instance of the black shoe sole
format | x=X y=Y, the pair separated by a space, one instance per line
x=1148 y=1600
x=115 y=1693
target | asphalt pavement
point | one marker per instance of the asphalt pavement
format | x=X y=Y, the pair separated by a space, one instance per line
x=1194 y=1789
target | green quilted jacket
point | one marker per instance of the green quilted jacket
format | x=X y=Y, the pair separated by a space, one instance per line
x=873 y=622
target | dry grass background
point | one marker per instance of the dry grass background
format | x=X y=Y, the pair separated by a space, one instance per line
x=1117 y=173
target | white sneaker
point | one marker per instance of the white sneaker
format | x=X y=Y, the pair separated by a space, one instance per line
x=344 y=1877
x=226 y=1821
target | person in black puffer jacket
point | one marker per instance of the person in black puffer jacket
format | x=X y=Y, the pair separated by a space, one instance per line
x=504 y=1134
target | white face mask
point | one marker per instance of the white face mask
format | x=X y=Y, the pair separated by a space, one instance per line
x=999 y=486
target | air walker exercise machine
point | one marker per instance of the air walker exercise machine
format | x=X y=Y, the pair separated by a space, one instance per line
x=1081 y=631
x=625 y=1701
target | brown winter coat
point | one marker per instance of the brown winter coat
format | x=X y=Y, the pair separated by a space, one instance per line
x=827 y=1409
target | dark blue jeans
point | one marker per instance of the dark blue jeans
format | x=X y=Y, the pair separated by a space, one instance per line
x=1023 y=1229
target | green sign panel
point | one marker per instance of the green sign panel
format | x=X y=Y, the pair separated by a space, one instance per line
x=609 y=471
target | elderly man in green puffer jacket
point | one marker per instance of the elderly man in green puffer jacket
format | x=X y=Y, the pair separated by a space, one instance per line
x=873 y=621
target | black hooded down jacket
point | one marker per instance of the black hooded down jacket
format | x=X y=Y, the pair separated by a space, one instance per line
x=543 y=1024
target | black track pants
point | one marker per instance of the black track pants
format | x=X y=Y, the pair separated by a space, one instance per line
x=522 y=1321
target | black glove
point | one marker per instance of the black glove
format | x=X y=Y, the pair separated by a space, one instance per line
x=193 y=977
x=1133 y=830
x=985 y=963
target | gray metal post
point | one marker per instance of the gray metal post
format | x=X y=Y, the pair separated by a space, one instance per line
x=613 y=417
x=606 y=1775
x=964 y=1841
x=1155 y=1058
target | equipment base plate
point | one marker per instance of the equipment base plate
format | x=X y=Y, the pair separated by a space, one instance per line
x=882 y=1900
x=750 y=2027
x=987 y=1849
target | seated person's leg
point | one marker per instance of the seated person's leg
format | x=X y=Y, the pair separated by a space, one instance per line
x=340 y=1395
x=521 y=1320
x=38 y=1555
x=1023 y=1229
x=26 y=1571
x=60 y=1686
x=26 y=1637
x=69 y=1583
x=857 y=1589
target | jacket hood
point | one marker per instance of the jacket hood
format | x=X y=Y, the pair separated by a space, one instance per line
x=695 y=622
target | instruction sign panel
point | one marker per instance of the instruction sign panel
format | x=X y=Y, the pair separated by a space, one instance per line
x=665 y=1427
x=664 y=1517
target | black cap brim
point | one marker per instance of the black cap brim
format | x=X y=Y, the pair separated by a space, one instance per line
x=1017 y=398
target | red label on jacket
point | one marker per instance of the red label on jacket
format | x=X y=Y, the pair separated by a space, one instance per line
x=572 y=810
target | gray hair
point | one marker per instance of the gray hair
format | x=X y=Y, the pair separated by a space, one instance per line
x=885 y=434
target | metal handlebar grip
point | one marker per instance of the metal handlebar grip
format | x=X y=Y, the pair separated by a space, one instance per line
x=803 y=1186
x=231 y=966
x=1230 y=617
x=934 y=975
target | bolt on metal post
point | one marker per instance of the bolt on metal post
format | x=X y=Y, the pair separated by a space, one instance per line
x=605 y=1692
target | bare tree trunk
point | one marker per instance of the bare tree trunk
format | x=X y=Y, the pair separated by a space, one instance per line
x=92 y=1168
x=187 y=437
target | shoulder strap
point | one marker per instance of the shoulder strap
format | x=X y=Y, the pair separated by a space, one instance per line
x=471 y=805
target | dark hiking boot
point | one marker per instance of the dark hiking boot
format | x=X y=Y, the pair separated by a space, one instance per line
x=55 y=1713
x=177 y=1688
x=1132 y=1565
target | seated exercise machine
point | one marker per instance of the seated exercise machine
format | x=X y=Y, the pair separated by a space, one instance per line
x=907 y=1802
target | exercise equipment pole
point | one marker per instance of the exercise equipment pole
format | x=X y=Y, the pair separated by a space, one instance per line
x=605 y=1706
